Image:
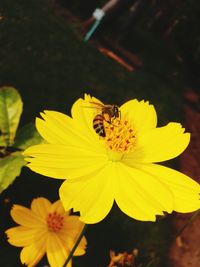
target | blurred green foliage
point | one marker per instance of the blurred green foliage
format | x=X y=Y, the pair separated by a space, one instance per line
x=11 y=158
x=11 y=109
x=10 y=168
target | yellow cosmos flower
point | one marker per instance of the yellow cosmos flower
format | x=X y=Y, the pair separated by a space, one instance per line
x=45 y=228
x=119 y=166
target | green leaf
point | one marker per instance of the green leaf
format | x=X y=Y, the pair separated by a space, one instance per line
x=2 y=140
x=10 y=111
x=10 y=168
x=27 y=136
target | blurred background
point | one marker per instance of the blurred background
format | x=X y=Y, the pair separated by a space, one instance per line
x=51 y=52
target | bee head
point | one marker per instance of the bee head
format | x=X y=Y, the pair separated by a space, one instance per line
x=116 y=111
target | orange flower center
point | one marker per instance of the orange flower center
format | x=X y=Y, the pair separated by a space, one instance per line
x=120 y=136
x=55 y=221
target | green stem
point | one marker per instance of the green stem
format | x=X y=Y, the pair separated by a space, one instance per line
x=75 y=246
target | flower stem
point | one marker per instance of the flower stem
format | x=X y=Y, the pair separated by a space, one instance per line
x=75 y=246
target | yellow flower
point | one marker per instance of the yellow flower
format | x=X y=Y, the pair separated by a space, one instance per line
x=120 y=166
x=45 y=228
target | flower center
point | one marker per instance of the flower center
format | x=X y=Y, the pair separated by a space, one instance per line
x=55 y=221
x=120 y=137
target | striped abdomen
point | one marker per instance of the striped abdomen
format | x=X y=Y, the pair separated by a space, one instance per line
x=98 y=125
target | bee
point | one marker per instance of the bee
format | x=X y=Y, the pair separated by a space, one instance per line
x=107 y=113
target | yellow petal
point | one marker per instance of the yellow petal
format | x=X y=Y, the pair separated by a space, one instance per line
x=58 y=208
x=70 y=233
x=56 y=252
x=58 y=161
x=26 y=217
x=140 y=195
x=185 y=190
x=68 y=241
x=141 y=115
x=21 y=236
x=58 y=128
x=32 y=254
x=159 y=144
x=72 y=223
x=40 y=206
x=81 y=249
x=93 y=195
x=83 y=113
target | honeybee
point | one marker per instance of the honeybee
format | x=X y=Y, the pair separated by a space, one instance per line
x=107 y=113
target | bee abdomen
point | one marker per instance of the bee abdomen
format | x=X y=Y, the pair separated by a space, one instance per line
x=98 y=125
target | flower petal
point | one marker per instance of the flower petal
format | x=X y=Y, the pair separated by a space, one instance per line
x=58 y=161
x=58 y=208
x=185 y=190
x=32 y=254
x=70 y=233
x=72 y=223
x=83 y=112
x=58 y=128
x=21 y=236
x=93 y=195
x=140 y=195
x=159 y=144
x=40 y=206
x=56 y=252
x=26 y=217
x=141 y=115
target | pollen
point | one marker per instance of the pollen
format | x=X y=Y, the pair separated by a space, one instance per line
x=120 y=136
x=55 y=221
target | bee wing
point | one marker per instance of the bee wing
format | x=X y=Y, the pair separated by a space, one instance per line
x=97 y=104
x=92 y=107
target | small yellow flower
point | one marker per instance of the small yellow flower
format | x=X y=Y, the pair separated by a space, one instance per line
x=120 y=166
x=45 y=228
